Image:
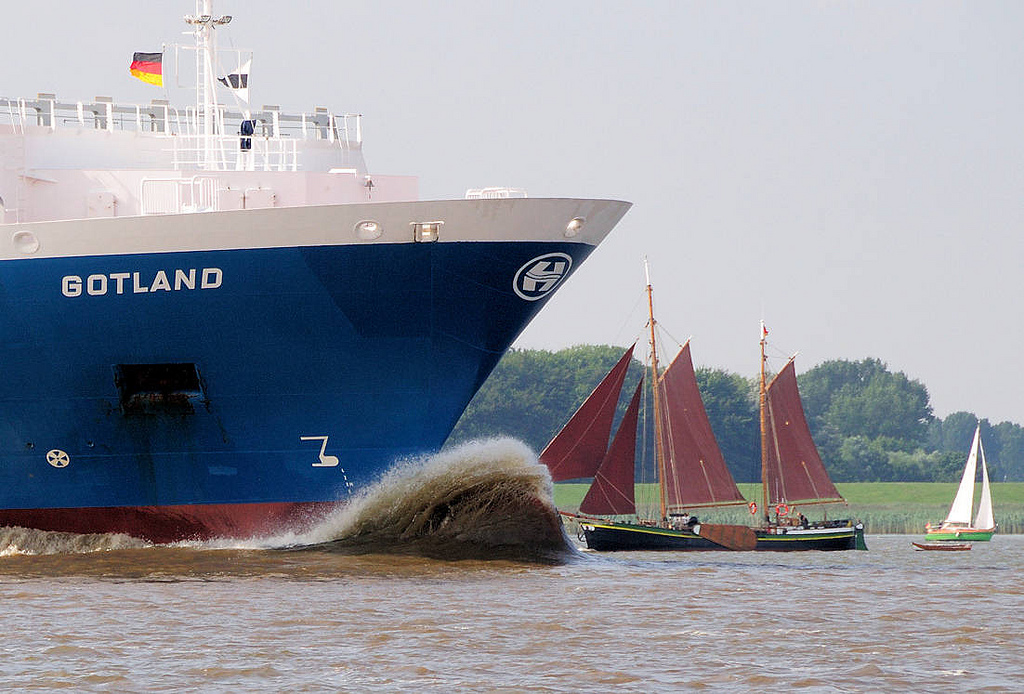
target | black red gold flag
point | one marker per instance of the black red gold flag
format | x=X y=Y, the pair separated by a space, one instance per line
x=148 y=67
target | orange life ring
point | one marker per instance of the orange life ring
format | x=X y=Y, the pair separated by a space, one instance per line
x=753 y=507
x=782 y=509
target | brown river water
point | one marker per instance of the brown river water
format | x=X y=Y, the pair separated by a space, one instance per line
x=448 y=578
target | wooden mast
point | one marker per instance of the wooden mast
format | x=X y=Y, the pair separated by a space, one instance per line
x=762 y=401
x=659 y=444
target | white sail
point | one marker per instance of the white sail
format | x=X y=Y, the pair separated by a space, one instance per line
x=963 y=504
x=984 y=520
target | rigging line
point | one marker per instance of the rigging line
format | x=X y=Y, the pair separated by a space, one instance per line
x=608 y=487
x=779 y=481
x=670 y=443
x=642 y=494
x=630 y=318
x=776 y=352
x=647 y=495
x=707 y=480
x=810 y=480
x=672 y=337
x=645 y=452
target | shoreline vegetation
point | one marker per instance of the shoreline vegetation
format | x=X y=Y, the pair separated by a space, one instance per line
x=896 y=508
x=870 y=424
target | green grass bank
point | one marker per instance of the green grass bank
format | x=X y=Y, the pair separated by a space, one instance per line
x=884 y=507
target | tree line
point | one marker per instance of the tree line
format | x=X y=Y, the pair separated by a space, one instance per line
x=869 y=423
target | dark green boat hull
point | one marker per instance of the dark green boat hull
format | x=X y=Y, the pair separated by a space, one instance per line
x=611 y=536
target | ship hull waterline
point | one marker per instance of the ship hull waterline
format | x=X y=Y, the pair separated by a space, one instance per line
x=611 y=537
x=170 y=392
x=942 y=546
x=963 y=535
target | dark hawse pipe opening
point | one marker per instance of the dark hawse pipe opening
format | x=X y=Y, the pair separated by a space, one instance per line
x=151 y=389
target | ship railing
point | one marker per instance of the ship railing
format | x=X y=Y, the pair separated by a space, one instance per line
x=233 y=153
x=17 y=117
x=160 y=119
x=179 y=195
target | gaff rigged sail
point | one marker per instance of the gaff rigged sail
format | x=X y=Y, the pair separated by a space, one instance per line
x=612 y=492
x=793 y=470
x=579 y=447
x=695 y=471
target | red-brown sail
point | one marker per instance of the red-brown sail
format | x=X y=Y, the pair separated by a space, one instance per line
x=695 y=471
x=578 y=449
x=612 y=490
x=793 y=471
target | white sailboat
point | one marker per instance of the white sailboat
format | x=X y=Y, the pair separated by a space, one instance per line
x=958 y=525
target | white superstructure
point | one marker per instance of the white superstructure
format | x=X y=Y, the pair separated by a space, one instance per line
x=75 y=159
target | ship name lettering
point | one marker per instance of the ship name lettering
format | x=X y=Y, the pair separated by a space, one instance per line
x=140 y=283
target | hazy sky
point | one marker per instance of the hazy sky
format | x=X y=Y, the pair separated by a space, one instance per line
x=850 y=171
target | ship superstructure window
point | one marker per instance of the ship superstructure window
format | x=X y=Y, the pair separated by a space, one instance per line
x=152 y=389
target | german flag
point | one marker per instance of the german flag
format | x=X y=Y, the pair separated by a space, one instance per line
x=148 y=67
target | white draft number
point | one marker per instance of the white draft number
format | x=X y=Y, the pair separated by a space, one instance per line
x=324 y=459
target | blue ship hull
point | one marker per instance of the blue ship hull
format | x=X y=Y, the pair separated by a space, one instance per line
x=134 y=399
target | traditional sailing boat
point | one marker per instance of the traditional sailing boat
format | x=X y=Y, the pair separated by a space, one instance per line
x=691 y=470
x=957 y=525
x=792 y=472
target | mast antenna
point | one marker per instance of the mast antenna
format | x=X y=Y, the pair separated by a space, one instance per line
x=206 y=61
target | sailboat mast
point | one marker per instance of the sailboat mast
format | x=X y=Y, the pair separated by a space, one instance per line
x=762 y=402
x=659 y=444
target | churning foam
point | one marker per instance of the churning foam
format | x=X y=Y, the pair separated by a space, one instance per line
x=484 y=498
x=481 y=500
x=15 y=541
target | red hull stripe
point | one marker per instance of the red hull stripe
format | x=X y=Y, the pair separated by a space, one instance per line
x=172 y=523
